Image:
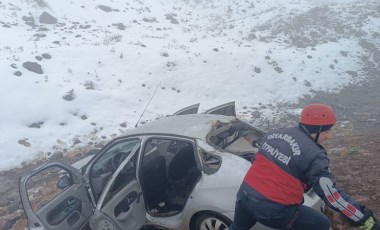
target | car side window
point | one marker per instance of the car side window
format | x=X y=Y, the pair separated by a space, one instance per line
x=125 y=176
x=210 y=160
x=106 y=165
x=43 y=187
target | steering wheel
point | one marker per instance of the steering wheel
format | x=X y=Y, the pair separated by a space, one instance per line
x=117 y=159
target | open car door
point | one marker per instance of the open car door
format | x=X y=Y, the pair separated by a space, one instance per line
x=192 y=109
x=121 y=204
x=54 y=197
x=227 y=109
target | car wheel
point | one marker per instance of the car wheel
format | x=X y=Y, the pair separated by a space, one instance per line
x=212 y=222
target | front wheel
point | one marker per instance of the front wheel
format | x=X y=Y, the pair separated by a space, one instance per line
x=212 y=222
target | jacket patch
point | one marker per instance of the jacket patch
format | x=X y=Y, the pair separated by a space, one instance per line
x=276 y=153
x=289 y=139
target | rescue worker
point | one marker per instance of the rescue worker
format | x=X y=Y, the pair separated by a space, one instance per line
x=289 y=162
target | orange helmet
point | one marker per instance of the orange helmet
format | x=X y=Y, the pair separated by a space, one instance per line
x=317 y=114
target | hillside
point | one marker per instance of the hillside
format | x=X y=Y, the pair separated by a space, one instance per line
x=75 y=74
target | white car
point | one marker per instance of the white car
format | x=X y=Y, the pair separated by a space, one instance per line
x=178 y=172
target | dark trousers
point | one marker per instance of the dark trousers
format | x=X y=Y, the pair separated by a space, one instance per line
x=249 y=210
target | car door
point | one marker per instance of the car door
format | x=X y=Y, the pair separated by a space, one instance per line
x=121 y=205
x=192 y=109
x=169 y=172
x=54 y=197
x=227 y=109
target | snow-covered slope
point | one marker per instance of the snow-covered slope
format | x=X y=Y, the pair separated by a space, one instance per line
x=94 y=65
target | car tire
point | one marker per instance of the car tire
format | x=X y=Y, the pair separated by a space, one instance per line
x=212 y=221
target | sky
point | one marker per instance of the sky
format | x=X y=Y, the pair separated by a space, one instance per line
x=102 y=62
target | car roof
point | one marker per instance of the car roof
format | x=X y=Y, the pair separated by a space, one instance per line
x=191 y=125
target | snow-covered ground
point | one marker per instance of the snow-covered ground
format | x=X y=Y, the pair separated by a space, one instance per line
x=97 y=66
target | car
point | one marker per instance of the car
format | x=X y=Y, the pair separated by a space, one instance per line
x=178 y=172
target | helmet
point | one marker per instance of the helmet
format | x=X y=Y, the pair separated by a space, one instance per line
x=317 y=114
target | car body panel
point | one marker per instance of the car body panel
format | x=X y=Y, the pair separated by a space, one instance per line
x=227 y=109
x=192 y=109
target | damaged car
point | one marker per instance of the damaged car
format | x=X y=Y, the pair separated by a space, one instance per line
x=178 y=172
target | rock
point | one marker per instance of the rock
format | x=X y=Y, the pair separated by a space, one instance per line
x=124 y=124
x=33 y=67
x=17 y=73
x=76 y=141
x=150 y=20
x=120 y=26
x=257 y=70
x=215 y=49
x=337 y=151
x=256 y=114
x=39 y=58
x=251 y=37
x=105 y=8
x=43 y=29
x=57 y=156
x=172 y=19
x=344 y=53
x=24 y=142
x=40 y=35
x=46 y=18
x=84 y=27
x=32 y=24
x=28 y=19
x=278 y=69
x=36 y=125
x=46 y=56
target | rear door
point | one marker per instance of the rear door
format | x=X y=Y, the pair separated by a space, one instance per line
x=192 y=109
x=54 y=197
x=227 y=109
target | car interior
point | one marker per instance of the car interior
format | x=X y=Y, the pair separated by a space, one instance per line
x=236 y=137
x=169 y=174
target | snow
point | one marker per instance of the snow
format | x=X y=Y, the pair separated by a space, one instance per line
x=190 y=51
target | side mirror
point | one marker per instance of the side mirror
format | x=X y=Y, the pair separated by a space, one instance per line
x=64 y=182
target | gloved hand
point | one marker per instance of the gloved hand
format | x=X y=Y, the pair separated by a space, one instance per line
x=370 y=224
x=367 y=222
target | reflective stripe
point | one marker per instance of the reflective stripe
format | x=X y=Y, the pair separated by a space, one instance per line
x=337 y=201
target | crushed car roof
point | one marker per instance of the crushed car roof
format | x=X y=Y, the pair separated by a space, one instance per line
x=192 y=125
